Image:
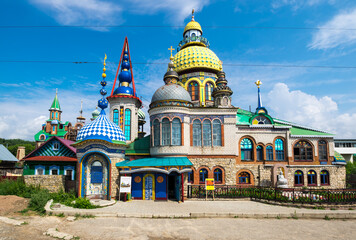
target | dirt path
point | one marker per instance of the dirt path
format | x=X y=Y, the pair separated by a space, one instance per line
x=10 y=205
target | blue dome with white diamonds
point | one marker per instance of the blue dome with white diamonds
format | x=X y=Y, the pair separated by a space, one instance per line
x=101 y=129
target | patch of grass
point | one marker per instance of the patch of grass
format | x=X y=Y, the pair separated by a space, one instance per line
x=332 y=208
x=327 y=218
x=76 y=238
x=88 y=216
x=278 y=217
x=60 y=215
x=319 y=207
x=294 y=216
x=236 y=216
x=24 y=223
x=351 y=208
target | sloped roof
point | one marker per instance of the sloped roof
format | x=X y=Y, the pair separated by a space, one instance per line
x=51 y=159
x=139 y=146
x=6 y=155
x=156 y=162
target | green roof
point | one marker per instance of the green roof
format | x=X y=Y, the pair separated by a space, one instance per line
x=338 y=157
x=60 y=133
x=243 y=117
x=139 y=146
x=156 y=162
x=303 y=131
x=55 y=104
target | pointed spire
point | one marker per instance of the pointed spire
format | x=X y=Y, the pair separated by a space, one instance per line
x=103 y=103
x=55 y=104
x=193 y=15
x=259 y=101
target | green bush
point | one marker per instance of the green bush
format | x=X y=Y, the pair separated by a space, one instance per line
x=39 y=200
x=83 y=203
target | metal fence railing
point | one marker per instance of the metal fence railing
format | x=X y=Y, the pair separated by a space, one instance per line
x=293 y=195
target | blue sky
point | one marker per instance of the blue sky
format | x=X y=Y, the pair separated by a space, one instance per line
x=322 y=98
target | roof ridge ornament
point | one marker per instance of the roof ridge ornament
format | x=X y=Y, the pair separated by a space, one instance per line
x=103 y=103
x=193 y=15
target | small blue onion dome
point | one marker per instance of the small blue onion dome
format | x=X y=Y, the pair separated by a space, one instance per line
x=141 y=114
x=123 y=90
x=101 y=129
x=125 y=65
x=171 y=92
x=125 y=76
x=54 y=122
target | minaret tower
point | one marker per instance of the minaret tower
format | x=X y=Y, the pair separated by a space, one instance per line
x=55 y=110
x=124 y=103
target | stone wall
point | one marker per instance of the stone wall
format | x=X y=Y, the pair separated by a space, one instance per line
x=53 y=183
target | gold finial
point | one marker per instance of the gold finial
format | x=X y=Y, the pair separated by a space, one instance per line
x=104 y=69
x=258 y=83
x=193 y=14
x=171 y=49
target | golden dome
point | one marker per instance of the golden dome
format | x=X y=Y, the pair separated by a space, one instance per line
x=193 y=25
x=196 y=57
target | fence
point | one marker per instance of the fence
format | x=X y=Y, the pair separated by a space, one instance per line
x=293 y=195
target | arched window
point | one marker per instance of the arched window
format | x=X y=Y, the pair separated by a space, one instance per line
x=216 y=133
x=303 y=151
x=176 y=132
x=324 y=178
x=246 y=149
x=116 y=116
x=96 y=172
x=196 y=133
x=298 y=178
x=55 y=146
x=193 y=89
x=128 y=124
x=191 y=177
x=56 y=115
x=323 y=155
x=279 y=146
x=259 y=150
x=203 y=174
x=244 y=178
x=208 y=90
x=53 y=128
x=269 y=153
x=156 y=133
x=311 y=178
x=206 y=133
x=52 y=115
x=54 y=170
x=218 y=175
x=166 y=132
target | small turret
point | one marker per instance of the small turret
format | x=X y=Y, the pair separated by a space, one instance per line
x=222 y=93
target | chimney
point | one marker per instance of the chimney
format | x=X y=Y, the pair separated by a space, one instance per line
x=20 y=153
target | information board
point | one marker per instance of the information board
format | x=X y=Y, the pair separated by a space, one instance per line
x=125 y=184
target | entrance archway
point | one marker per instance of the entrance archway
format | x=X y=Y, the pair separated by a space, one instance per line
x=148 y=190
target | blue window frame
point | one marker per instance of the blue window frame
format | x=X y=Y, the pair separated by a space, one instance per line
x=128 y=124
x=244 y=178
x=246 y=149
x=311 y=177
x=96 y=172
x=269 y=153
x=324 y=178
x=279 y=146
x=156 y=133
x=166 y=132
x=176 y=132
x=259 y=150
x=196 y=133
x=116 y=116
x=53 y=170
x=218 y=175
x=216 y=133
x=206 y=133
x=298 y=178
x=191 y=177
x=203 y=174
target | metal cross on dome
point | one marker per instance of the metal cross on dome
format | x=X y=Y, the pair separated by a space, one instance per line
x=171 y=49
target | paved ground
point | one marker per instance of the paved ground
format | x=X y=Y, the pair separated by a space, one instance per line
x=200 y=208
x=169 y=229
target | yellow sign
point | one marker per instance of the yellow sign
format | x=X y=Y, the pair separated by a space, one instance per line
x=209 y=184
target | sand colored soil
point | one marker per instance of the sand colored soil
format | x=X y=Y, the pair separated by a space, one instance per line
x=11 y=204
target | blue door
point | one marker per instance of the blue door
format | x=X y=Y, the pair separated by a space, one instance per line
x=178 y=187
x=148 y=187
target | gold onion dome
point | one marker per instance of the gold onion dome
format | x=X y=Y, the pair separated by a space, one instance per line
x=193 y=25
x=196 y=57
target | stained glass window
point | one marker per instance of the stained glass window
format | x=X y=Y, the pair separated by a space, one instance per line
x=208 y=90
x=298 y=178
x=193 y=89
x=128 y=124
x=246 y=149
x=259 y=150
x=324 y=177
x=323 y=156
x=216 y=133
x=218 y=175
x=196 y=133
x=156 y=133
x=311 y=177
x=269 y=153
x=206 y=133
x=166 y=132
x=176 y=132
x=279 y=147
x=303 y=151
x=203 y=174
x=244 y=178
x=116 y=116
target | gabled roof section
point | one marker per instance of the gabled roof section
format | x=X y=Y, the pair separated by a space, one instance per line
x=139 y=146
x=47 y=149
x=6 y=155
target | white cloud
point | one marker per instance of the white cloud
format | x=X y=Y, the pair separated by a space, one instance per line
x=297 y=4
x=320 y=113
x=326 y=38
